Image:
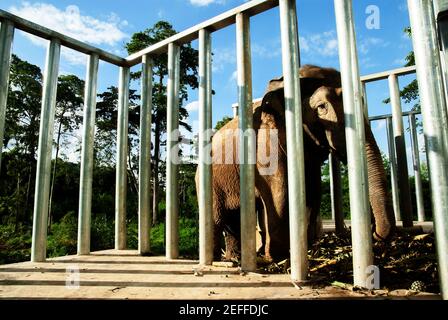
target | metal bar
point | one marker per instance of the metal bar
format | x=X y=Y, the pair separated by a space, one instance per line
x=442 y=22
x=66 y=41
x=385 y=74
x=355 y=137
x=364 y=99
x=417 y=175
x=205 y=136
x=235 y=110
x=435 y=123
x=172 y=144
x=393 y=169
x=336 y=194
x=42 y=190
x=6 y=38
x=122 y=154
x=247 y=148
x=88 y=136
x=400 y=152
x=298 y=220
x=385 y=116
x=221 y=21
x=144 y=173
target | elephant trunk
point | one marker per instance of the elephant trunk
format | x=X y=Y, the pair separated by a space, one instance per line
x=380 y=200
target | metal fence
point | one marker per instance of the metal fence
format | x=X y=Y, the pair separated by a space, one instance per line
x=428 y=65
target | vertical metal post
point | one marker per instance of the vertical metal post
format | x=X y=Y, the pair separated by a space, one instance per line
x=144 y=173
x=416 y=164
x=336 y=193
x=122 y=155
x=355 y=137
x=298 y=220
x=42 y=190
x=435 y=123
x=365 y=104
x=440 y=7
x=393 y=169
x=172 y=153
x=6 y=38
x=88 y=135
x=205 y=136
x=235 y=109
x=400 y=151
x=247 y=148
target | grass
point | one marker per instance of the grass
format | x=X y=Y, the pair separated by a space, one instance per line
x=15 y=246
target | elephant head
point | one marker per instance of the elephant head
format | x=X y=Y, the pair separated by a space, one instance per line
x=323 y=123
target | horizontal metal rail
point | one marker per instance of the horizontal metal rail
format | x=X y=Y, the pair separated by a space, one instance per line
x=42 y=32
x=385 y=116
x=219 y=22
x=385 y=74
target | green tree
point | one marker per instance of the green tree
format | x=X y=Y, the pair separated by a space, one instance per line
x=21 y=137
x=22 y=129
x=221 y=123
x=106 y=133
x=188 y=79
x=410 y=92
x=67 y=119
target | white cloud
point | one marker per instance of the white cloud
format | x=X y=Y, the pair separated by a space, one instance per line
x=234 y=76
x=72 y=23
x=323 y=44
x=366 y=44
x=202 y=3
x=192 y=106
x=380 y=125
x=222 y=57
x=266 y=50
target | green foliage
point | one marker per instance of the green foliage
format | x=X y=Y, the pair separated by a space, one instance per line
x=187 y=191
x=102 y=233
x=62 y=239
x=221 y=123
x=410 y=92
x=15 y=245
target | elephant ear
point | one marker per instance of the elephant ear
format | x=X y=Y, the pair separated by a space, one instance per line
x=273 y=102
x=274 y=97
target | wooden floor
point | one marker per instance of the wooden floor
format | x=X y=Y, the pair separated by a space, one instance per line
x=115 y=274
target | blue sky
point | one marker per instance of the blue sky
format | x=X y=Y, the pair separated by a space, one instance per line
x=109 y=25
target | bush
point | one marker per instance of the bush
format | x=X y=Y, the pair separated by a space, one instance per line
x=188 y=238
x=15 y=245
x=102 y=233
x=62 y=239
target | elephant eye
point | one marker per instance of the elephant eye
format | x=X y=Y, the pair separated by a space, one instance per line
x=322 y=109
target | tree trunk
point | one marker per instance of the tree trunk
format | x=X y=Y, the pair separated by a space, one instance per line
x=131 y=174
x=155 y=204
x=16 y=226
x=156 y=119
x=54 y=175
x=32 y=161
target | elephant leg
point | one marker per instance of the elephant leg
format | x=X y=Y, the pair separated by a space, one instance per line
x=232 y=234
x=261 y=215
x=313 y=200
x=217 y=241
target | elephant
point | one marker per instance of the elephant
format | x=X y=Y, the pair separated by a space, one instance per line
x=323 y=132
